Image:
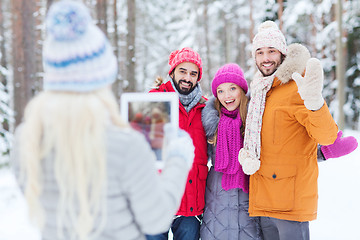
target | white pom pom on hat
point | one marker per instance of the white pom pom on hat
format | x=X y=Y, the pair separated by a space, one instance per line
x=67 y=22
x=269 y=35
x=267 y=25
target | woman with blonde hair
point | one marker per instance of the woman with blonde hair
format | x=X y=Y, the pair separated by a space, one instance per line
x=84 y=172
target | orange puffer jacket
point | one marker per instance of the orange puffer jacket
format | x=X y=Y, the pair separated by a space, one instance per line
x=285 y=186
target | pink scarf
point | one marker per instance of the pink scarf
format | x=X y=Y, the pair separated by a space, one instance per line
x=229 y=143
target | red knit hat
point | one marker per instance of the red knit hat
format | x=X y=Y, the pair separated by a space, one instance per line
x=229 y=73
x=185 y=55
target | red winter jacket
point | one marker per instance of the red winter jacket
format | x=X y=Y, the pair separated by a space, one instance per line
x=193 y=201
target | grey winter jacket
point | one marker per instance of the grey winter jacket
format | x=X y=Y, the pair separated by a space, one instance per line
x=226 y=212
x=139 y=200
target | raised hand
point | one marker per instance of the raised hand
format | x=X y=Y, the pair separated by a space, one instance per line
x=310 y=86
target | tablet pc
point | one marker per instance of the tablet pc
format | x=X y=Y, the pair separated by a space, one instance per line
x=148 y=113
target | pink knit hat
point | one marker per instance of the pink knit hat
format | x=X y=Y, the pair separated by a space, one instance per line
x=185 y=55
x=269 y=35
x=229 y=73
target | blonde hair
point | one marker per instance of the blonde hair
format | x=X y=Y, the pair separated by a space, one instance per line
x=71 y=128
x=242 y=110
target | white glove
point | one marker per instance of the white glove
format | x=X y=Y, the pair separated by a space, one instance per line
x=248 y=161
x=178 y=143
x=310 y=86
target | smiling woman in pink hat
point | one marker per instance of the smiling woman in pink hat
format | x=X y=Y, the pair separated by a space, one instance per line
x=227 y=186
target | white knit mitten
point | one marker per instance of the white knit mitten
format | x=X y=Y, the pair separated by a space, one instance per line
x=178 y=143
x=248 y=161
x=310 y=86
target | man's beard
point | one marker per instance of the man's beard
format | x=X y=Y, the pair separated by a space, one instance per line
x=267 y=73
x=183 y=91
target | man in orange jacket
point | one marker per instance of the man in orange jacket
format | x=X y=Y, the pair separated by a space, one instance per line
x=287 y=119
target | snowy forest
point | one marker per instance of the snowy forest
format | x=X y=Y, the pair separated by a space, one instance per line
x=144 y=33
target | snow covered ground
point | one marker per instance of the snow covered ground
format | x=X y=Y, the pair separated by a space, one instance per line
x=338 y=215
x=13 y=217
x=339 y=197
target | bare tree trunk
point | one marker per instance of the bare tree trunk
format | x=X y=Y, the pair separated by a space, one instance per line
x=340 y=65
x=252 y=25
x=130 y=42
x=313 y=33
x=2 y=45
x=280 y=13
x=145 y=32
x=23 y=54
x=228 y=31
x=3 y=62
x=38 y=20
x=222 y=37
x=225 y=36
x=101 y=6
x=116 y=86
x=241 y=56
x=122 y=53
x=207 y=45
x=116 y=31
x=49 y=2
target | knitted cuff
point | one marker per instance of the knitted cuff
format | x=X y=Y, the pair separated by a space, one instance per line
x=314 y=105
x=326 y=151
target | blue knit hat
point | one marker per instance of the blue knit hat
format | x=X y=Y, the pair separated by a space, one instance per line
x=229 y=73
x=77 y=56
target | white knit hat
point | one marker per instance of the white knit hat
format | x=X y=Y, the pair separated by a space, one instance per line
x=77 y=56
x=269 y=35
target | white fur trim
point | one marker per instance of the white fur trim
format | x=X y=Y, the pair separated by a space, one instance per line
x=295 y=61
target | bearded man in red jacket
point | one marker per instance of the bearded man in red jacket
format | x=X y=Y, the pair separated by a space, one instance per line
x=185 y=73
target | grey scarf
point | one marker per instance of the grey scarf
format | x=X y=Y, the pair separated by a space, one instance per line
x=191 y=99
